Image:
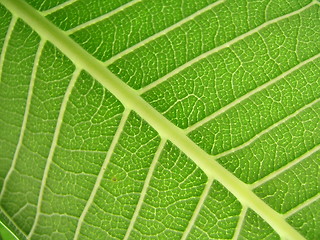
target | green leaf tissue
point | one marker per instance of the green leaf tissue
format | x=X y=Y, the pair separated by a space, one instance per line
x=160 y=119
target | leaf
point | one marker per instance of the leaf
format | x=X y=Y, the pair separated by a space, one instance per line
x=160 y=119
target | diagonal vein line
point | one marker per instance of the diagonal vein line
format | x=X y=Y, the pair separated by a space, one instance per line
x=145 y=188
x=302 y=205
x=53 y=146
x=242 y=217
x=58 y=7
x=3 y=211
x=102 y=17
x=166 y=129
x=214 y=50
x=285 y=168
x=161 y=33
x=273 y=126
x=6 y=43
x=248 y=95
x=22 y=209
x=25 y=116
x=114 y=142
x=197 y=210
x=59 y=215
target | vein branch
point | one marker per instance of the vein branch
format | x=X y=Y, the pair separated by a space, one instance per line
x=247 y=96
x=114 y=142
x=53 y=147
x=145 y=188
x=102 y=17
x=302 y=205
x=197 y=210
x=6 y=43
x=240 y=222
x=25 y=116
x=163 y=32
x=285 y=168
x=58 y=7
x=216 y=49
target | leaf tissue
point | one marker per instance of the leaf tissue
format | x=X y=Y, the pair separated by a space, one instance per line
x=160 y=119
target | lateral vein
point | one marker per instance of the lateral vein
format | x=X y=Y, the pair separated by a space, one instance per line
x=6 y=43
x=285 y=168
x=102 y=171
x=302 y=205
x=163 y=32
x=145 y=188
x=58 y=7
x=25 y=116
x=53 y=147
x=216 y=49
x=240 y=222
x=247 y=96
x=265 y=131
x=197 y=210
x=102 y=17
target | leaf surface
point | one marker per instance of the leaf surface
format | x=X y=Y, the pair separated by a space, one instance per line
x=160 y=119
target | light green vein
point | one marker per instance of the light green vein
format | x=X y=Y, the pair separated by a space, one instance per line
x=267 y=130
x=197 y=210
x=22 y=209
x=25 y=116
x=238 y=228
x=6 y=43
x=102 y=171
x=53 y=147
x=163 y=32
x=285 y=168
x=218 y=48
x=302 y=206
x=58 y=7
x=145 y=188
x=163 y=126
x=102 y=17
x=247 y=96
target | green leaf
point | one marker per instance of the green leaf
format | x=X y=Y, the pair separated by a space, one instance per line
x=157 y=119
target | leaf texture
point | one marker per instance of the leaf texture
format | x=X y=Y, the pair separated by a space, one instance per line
x=162 y=119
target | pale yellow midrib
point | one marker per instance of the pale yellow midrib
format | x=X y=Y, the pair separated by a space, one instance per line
x=163 y=126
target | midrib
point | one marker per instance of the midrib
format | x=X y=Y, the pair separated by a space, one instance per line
x=131 y=100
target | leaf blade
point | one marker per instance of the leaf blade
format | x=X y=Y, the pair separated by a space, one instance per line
x=154 y=120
